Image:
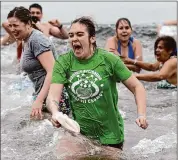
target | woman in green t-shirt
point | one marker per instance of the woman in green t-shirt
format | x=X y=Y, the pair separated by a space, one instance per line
x=90 y=75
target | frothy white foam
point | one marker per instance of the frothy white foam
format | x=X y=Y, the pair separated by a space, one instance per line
x=168 y=31
x=4 y=112
x=42 y=127
x=148 y=146
x=168 y=117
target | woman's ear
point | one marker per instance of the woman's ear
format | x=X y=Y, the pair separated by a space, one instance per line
x=29 y=23
x=93 y=39
x=171 y=52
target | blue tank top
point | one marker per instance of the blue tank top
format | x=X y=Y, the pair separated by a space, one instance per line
x=130 y=49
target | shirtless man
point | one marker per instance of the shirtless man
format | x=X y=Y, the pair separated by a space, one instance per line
x=51 y=28
x=166 y=54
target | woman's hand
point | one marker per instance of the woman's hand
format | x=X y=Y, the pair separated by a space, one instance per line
x=36 y=110
x=141 y=122
x=114 y=51
x=54 y=121
x=127 y=60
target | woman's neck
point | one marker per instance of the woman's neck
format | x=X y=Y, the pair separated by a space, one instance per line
x=124 y=44
x=28 y=34
x=90 y=53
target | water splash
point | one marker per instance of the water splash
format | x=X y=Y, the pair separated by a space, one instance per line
x=148 y=146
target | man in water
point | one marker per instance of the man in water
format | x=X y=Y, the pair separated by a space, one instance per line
x=51 y=28
x=165 y=50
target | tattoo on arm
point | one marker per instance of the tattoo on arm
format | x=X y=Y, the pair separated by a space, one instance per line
x=56 y=103
x=50 y=103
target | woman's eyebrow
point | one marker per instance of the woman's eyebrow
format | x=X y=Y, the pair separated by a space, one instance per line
x=75 y=32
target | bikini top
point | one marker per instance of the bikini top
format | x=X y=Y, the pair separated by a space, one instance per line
x=130 y=48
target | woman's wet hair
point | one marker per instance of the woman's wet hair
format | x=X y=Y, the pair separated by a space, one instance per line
x=169 y=44
x=89 y=25
x=23 y=15
x=123 y=19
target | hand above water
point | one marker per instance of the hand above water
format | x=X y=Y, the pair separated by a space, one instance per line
x=142 y=122
x=59 y=118
x=36 y=112
x=54 y=121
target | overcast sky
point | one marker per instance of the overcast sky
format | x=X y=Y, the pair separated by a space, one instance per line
x=102 y=12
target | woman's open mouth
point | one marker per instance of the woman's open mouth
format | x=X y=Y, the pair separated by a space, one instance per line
x=77 y=47
x=16 y=34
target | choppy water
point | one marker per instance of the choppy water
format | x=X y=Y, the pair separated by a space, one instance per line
x=22 y=138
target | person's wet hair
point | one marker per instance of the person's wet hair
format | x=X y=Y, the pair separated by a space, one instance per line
x=35 y=5
x=123 y=19
x=89 y=25
x=169 y=44
x=23 y=15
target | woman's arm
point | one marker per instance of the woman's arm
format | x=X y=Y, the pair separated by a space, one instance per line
x=138 y=50
x=111 y=45
x=166 y=72
x=5 y=25
x=137 y=56
x=53 y=99
x=166 y=23
x=133 y=67
x=140 y=97
x=7 y=39
x=47 y=61
x=170 y=22
x=143 y=65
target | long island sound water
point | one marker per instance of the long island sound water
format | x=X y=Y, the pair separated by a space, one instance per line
x=26 y=139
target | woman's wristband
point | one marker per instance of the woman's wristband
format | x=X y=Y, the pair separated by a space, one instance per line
x=141 y=115
x=135 y=61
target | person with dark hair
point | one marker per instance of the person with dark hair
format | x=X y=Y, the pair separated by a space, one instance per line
x=123 y=44
x=37 y=57
x=165 y=50
x=37 y=6
x=51 y=28
x=90 y=75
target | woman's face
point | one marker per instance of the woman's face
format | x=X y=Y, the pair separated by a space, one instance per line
x=162 y=54
x=124 y=31
x=19 y=29
x=80 y=41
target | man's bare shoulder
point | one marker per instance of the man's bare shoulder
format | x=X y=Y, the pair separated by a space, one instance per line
x=46 y=24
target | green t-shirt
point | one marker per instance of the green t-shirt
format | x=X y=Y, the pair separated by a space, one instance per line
x=91 y=85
